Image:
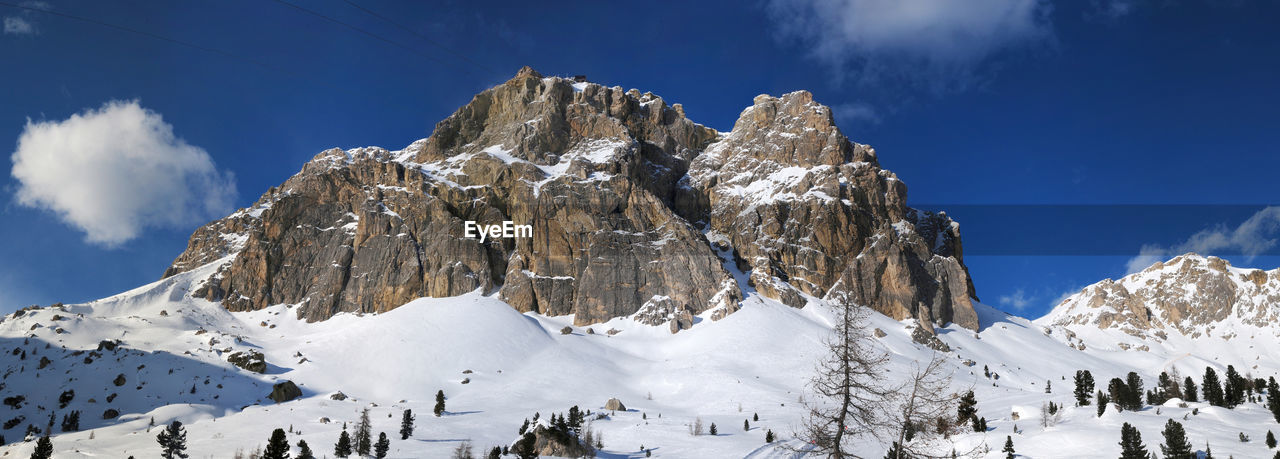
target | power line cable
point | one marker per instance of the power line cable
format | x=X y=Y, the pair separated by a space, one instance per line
x=420 y=35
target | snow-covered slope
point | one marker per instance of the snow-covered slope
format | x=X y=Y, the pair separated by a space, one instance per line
x=756 y=361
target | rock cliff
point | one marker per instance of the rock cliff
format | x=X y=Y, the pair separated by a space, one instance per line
x=633 y=209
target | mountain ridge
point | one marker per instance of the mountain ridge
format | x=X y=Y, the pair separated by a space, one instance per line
x=619 y=189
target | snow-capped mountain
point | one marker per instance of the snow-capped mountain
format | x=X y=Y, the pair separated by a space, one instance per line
x=627 y=203
x=1190 y=309
x=353 y=286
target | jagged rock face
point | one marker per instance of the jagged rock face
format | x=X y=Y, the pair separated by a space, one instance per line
x=624 y=197
x=1188 y=294
x=810 y=212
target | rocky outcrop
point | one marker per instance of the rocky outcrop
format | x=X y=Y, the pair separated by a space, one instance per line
x=284 y=391
x=1189 y=295
x=810 y=213
x=615 y=405
x=632 y=210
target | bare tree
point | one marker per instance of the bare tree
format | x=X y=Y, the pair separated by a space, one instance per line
x=853 y=402
x=922 y=401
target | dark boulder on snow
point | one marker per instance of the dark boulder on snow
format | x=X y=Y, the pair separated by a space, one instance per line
x=249 y=360
x=284 y=391
x=111 y=413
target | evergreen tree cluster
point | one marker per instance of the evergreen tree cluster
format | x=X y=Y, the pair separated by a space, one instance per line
x=71 y=421
x=1273 y=398
x=566 y=429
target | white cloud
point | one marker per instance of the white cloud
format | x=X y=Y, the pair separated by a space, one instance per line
x=911 y=39
x=1018 y=300
x=1252 y=238
x=114 y=171
x=18 y=26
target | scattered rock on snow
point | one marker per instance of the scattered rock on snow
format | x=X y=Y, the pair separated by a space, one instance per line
x=284 y=391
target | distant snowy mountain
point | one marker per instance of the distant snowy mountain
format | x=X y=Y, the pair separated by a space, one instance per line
x=1191 y=310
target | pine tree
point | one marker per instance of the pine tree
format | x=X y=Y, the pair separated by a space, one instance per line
x=277 y=446
x=173 y=441
x=1212 y=388
x=406 y=424
x=1118 y=392
x=364 y=433
x=1131 y=446
x=304 y=450
x=768 y=436
x=746 y=425
x=713 y=429
x=1084 y=387
x=1175 y=444
x=1271 y=439
x=343 y=447
x=1273 y=398
x=1134 y=399
x=968 y=407
x=44 y=449
x=380 y=449
x=1189 y=390
x=755 y=417
x=1233 y=391
x=439 y=409
x=1008 y=447
x=1102 y=403
x=575 y=418
x=495 y=453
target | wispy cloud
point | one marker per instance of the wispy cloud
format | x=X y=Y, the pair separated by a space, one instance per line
x=856 y=113
x=1018 y=300
x=939 y=43
x=23 y=24
x=14 y=25
x=1254 y=237
x=116 y=170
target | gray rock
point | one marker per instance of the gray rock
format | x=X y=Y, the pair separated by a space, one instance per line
x=284 y=391
x=615 y=405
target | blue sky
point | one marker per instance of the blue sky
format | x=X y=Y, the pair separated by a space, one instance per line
x=1002 y=109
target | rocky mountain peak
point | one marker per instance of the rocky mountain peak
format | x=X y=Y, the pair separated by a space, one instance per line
x=1189 y=294
x=632 y=211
